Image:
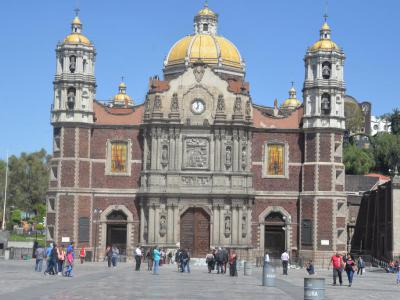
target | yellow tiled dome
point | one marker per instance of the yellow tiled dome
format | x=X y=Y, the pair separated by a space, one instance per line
x=76 y=38
x=325 y=43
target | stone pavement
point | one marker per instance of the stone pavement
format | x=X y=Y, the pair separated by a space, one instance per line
x=97 y=281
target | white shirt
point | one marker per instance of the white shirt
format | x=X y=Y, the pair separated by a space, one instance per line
x=138 y=252
x=285 y=256
x=266 y=257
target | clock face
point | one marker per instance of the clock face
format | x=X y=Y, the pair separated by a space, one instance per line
x=198 y=106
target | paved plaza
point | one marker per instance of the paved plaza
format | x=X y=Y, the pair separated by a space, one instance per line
x=96 y=281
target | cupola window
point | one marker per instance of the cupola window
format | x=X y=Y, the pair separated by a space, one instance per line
x=205 y=27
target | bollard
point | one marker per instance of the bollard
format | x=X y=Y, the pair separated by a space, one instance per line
x=269 y=275
x=314 y=288
x=247 y=268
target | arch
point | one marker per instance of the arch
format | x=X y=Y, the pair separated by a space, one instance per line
x=204 y=207
x=288 y=223
x=111 y=208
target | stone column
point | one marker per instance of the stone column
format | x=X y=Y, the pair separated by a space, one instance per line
x=176 y=223
x=235 y=151
x=145 y=149
x=171 y=150
x=212 y=150
x=221 y=225
x=142 y=222
x=222 y=150
x=157 y=223
x=216 y=221
x=151 y=224
x=178 y=153
x=240 y=232
x=170 y=227
x=154 y=148
x=217 y=164
x=234 y=226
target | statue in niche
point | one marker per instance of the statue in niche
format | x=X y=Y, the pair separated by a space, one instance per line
x=157 y=103
x=164 y=155
x=147 y=104
x=221 y=103
x=174 y=103
x=228 y=156
x=326 y=70
x=227 y=226
x=72 y=64
x=71 y=98
x=237 y=108
x=244 y=157
x=248 y=108
x=325 y=104
x=244 y=226
x=163 y=225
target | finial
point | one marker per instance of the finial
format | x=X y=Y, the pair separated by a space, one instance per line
x=325 y=17
x=292 y=82
x=122 y=78
x=326 y=11
x=77 y=10
x=206 y=4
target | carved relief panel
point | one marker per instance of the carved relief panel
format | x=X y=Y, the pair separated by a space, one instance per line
x=196 y=153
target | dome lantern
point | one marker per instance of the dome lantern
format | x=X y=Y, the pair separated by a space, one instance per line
x=122 y=98
x=76 y=36
x=325 y=43
x=206 y=21
x=292 y=102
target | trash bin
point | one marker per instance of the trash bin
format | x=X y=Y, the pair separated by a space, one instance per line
x=247 y=268
x=268 y=275
x=314 y=288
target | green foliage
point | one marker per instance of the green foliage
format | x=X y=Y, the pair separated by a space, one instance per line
x=386 y=149
x=28 y=179
x=16 y=216
x=357 y=161
x=354 y=117
x=39 y=226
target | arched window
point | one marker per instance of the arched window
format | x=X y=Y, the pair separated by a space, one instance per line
x=72 y=63
x=326 y=70
x=205 y=27
x=84 y=64
x=71 y=98
x=325 y=104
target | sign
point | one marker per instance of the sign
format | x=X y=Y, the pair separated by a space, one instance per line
x=65 y=239
x=324 y=242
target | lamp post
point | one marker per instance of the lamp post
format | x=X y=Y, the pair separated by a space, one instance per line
x=96 y=216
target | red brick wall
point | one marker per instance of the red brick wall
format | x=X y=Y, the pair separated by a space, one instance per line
x=293 y=183
x=100 y=180
x=69 y=142
x=341 y=222
x=307 y=212
x=325 y=147
x=67 y=173
x=311 y=144
x=84 y=209
x=325 y=178
x=66 y=217
x=84 y=172
x=324 y=223
x=51 y=219
x=83 y=143
x=309 y=177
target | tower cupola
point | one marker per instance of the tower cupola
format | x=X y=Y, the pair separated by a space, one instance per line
x=206 y=21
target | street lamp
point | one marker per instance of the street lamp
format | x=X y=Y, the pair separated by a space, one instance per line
x=96 y=216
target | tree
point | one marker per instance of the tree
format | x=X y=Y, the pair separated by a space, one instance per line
x=28 y=179
x=354 y=117
x=386 y=150
x=356 y=160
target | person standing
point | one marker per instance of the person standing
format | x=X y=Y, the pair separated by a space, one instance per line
x=177 y=258
x=61 y=259
x=266 y=258
x=360 y=265
x=138 y=257
x=39 y=254
x=285 y=262
x=108 y=255
x=156 y=257
x=350 y=268
x=188 y=260
x=149 y=256
x=225 y=256
x=337 y=265
x=114 y=255
x=219 y=258
x=232 y=264
x=82 y=254
x=69 y=262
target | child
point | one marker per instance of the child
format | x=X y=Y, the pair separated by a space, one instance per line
x=69 y=264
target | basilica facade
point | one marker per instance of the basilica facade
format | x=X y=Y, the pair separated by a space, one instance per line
x=198 y=164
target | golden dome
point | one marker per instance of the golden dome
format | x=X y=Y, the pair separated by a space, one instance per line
x=77 y=38
x=324 y=45
x=206 y=12
x=210 y=49
x=122 y=98
x=291 y=103
x=76 y=21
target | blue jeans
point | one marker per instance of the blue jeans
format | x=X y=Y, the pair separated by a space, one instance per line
x=350 y=276
x=155 y=268
x=38 y=266
x=114 y=261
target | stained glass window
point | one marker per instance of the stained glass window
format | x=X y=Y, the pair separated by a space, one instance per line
x=275 y=159
x=118 y=157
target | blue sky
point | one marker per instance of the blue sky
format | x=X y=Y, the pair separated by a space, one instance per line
x=133 y=37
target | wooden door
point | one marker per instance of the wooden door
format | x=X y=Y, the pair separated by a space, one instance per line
x=195 y=232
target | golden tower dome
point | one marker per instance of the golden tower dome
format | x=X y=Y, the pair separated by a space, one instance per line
x=325 y=43
x=205 y=45
x=76 y=36
x=292 y=102
x=122 y=98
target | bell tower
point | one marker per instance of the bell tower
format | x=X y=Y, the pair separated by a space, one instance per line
x=74 y=83
x=323 y=206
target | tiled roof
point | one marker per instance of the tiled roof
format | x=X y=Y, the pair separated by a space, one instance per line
x=105 y=115
x=263 y=118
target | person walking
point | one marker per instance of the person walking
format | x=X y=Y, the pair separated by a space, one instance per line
x=210 y=262
x=219 y=259
x=360 y=265
x=232 y=264
x=225 y=259
x=188 y=260
x=177 y=258
x=61 y=259
x=150 y=261
x=69 y=264
x=156 y=257
x=285 y=262
x=82 y=254
x=138 y=257
x=350 y=268
x=39 y=254
x=108 y=255
x=337 y=266
x=114 y=255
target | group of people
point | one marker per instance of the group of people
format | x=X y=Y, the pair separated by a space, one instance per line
x=59 y=259
x=182 y=259
x=111 y=255
x=219 y=258
x=346 y=262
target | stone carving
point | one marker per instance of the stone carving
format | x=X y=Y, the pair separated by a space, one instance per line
x=221 y=104
x=198 y=72
x=228 y=156
x=163 y=224
x=157 y=103
x=227 y=225
x=164 y=155
x=174 y=103
x=72 y=64
x=196 y=180
x=196 y=153
x=244 y=157
x=237 y=108
x=248 y=108
x=244 y=226
x=147 y=104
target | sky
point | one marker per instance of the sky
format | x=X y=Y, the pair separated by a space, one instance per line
x=133 y=37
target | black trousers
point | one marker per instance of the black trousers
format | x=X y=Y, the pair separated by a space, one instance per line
x=138 y=261
x=284 y=266
x=338 y=273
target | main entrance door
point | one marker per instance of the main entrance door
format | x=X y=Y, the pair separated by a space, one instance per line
x=117 y=230
x=195 y=231
x=274 y=235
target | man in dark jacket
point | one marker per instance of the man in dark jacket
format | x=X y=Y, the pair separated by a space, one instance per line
x=219 y=257
x=225 y=256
